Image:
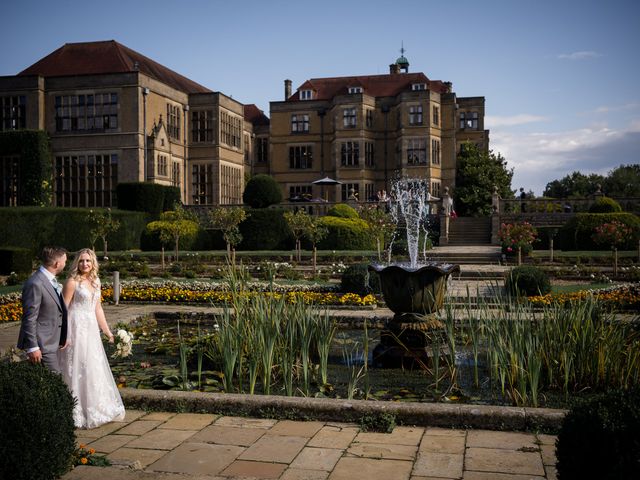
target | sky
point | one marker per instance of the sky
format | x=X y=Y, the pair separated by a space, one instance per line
x=561 y=78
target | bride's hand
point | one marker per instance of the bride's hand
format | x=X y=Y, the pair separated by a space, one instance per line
x=111 y=339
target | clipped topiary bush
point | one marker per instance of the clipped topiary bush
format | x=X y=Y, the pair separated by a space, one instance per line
x=600 y=438
x=342 y=210
x=527 y=280
x=265 y=229
x=357 y=279
x=37 y=431
x=262 y=191
x=346 y=234
x=605 y=205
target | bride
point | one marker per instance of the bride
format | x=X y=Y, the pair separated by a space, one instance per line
x=84 y=364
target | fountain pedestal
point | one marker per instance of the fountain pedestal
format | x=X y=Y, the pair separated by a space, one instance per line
x=414 y=295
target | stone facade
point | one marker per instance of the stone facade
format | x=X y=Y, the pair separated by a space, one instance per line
x=104 y=125
x=364 y=131
x=116 y=116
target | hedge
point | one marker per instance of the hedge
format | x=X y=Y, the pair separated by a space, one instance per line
x=35 y=227
x=147 y=197
x=577 y=232
x=15 y=259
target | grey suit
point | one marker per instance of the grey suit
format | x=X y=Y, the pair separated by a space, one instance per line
x=44 y=319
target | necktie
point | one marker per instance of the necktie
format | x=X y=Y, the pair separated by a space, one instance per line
x=56 y=285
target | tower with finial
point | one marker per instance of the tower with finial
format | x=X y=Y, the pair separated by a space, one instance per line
x=402 y=62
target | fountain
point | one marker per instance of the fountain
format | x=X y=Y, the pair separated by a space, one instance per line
x=414 y=291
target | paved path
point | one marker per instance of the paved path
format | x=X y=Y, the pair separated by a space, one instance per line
x=205 y=446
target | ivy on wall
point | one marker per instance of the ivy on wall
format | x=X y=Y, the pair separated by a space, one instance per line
x=35 y=178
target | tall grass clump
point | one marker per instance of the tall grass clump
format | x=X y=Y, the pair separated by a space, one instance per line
x=563 y=348
x=270 y=341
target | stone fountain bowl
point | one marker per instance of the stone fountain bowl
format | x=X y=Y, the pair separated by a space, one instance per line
x=414 y=290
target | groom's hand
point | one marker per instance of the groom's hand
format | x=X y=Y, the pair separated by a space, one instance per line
x=35 y=356
x=66 y=344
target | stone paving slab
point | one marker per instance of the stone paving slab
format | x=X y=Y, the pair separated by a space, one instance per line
x=442 y=465
x=109 y=443
x=380 y=450
x=500 y=460
x=197 y=459
x=275 y=448
x=313 y=458
x=242 y=448
x=242 y=437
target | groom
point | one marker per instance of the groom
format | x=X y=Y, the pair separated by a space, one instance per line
x=44 y=319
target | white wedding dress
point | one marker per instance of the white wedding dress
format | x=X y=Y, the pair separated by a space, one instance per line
x=85 y=367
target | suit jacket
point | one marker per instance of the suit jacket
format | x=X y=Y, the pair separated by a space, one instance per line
x=44 y=315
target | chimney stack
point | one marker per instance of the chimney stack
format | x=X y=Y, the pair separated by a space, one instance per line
x=394 y=68
x=287 y=89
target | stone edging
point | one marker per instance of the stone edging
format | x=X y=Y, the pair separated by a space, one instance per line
x=300 y=408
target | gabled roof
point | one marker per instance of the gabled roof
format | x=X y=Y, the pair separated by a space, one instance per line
x=254 y=115
x=94 y=58
x=374 y=85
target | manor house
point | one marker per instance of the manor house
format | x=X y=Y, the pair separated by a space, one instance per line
x=114 y=115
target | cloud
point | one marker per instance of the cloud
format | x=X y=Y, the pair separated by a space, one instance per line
x=539 y=158
x=617 y=108
x=520 y=119
x=582 y=55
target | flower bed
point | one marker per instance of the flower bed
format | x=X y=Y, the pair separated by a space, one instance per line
x=622 y=297
x=204 y=292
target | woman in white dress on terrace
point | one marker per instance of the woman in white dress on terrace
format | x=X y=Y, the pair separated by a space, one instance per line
x=84 y=363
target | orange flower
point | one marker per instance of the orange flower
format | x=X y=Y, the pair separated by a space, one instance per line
x=92 y=451
x=82 y=445
x=83 y=460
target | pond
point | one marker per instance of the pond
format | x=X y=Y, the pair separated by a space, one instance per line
x=156 y=364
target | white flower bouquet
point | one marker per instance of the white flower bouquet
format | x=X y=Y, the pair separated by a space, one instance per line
x=123 y=343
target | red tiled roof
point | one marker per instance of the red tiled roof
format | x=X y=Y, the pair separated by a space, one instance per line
x=94 y=58
x=375 y=85
x=254 y=115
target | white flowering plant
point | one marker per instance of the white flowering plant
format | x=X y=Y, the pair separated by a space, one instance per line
x=123 y=343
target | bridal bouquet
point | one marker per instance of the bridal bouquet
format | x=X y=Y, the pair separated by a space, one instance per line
x=123 y=343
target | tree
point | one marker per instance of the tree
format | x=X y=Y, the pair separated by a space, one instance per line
x=614 y=233
x=298 y=223
x=381 y=225
x=103 y=224
x=228 y=220
x=173 y=225
x=623 y=181
x=575 y=184
x=476 y=174
x=314 y=232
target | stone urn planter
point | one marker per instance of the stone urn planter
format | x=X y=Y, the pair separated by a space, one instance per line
x=414 y=295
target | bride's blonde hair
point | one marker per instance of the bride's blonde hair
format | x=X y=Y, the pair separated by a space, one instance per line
x=93 y=274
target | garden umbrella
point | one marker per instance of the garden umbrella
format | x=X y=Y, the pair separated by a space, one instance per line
x=326 y=181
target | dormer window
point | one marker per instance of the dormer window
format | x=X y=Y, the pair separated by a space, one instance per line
x=419 y=86
x=306 y=94
x=355 y=89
